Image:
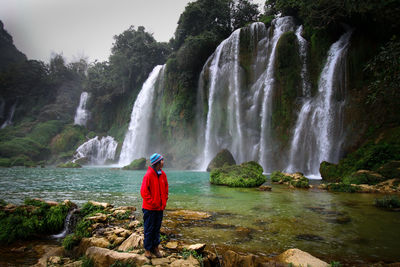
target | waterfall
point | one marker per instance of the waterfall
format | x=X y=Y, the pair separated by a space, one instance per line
x=82 y=114
x=136 y=139
x=10 y=116
x=281 y=25
x=303 y=55
x=97 y=151
x=67 y=225
x=318 y=135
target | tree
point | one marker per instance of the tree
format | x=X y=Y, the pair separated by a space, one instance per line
x=244 y=13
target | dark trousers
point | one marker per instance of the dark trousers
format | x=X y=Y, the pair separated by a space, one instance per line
x=152 y=223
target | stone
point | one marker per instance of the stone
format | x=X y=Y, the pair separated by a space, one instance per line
x=190 y=214
x=118 y=241
x=86 y=242
x=54 y=260
x=196 y=247
x=137 y=164
x=189 y=262
x=247 y=174
x=172 y=245
x=160 y=261
x=299 y=258
x=131 y=208
x=231 y=258
x=134 y=241
x=99 y=217
x=70 y=204
x=264 y=188
x=103 y=204
x=116 y=212
x=74 y=264
x=134 y=224
x=49 y=251
x=224 y=157
x=103 y=257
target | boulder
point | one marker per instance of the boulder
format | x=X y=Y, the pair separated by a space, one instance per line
x=231 y=258
x=137 y=164
x=189 y=262
x=172 y=245
x=292 y=179
x=134 y=224
x=390 y=169
x=297 y=257
x=224 y=157
x=134 y=241
x=49 y=251
x=196 y=247
x=160 y=261
x=87 y=242
x=248 y=174
x=264 y=188
x=103 y=257
x=99 y=217
x=329 y=172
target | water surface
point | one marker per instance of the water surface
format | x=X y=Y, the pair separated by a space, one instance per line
x=332 y=226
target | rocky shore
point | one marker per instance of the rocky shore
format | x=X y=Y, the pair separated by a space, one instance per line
x=113 y=236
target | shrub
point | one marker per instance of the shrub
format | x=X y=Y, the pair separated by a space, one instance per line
x=70 y=241
x=341 y=187
x=248 y=174
x=4 y=162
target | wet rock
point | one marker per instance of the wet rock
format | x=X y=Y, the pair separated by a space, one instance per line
x=160 y=261
x=103 y=257
x=49 y=251
x=224 y=157
x=196 y=247
x=190 y=214
x=231 y=258
x=264 y=188
x=99 y=217
x=134 y=224
x=102 y=204
x=296 y=257
x=172 y=245
x=134 y=241
x=92 y=242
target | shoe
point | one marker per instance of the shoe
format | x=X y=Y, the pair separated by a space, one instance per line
x=147 y=254
x=157 y=252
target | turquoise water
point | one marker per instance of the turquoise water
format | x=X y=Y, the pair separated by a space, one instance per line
x=333 y=226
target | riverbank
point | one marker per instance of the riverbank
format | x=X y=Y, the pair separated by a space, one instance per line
x=107 y=235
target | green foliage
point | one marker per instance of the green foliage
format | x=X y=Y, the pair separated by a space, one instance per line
x=87 y=262
x=4 y=162
x=388 y=202
x=2 y=203
x=88 y=209
x=123 y=264
x=335 y=264
x=185 y=253
x=299 y=181
x=34 y=219
x=341 y=187
x=22 y=146
x=164 y=237
x=288 y=83
x=363 y=177
x=69 y=165
x=70 y=241
x=248 y=174
x=137 y=164
x=45 y=131
x=68 y=139
x=243 y=13
x=123 y=216
x=278 y=176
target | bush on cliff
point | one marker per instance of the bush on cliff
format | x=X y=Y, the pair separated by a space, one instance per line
x=32 y=219
x=248 y=174
x=137 y=164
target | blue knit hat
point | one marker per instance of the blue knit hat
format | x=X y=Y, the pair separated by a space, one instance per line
x=155 y=158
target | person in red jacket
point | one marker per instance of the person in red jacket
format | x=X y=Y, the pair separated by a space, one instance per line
x=154 y=192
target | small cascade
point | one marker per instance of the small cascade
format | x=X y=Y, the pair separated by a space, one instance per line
x=136 y=139
x=82 y=115
x=97 y=151
x=68 y=225
x=281 y=25
x=318 y=135
x=303 y=55
x=10 y=116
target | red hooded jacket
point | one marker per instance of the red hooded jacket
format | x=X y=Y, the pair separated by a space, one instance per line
x=154 y=190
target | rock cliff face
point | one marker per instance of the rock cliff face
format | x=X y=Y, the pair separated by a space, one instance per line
x=9 y=54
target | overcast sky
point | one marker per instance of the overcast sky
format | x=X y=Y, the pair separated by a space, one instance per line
x=78 y=28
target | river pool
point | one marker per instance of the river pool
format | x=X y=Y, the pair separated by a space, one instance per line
x=332 y=226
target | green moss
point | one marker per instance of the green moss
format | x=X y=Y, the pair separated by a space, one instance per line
x=70 y=241
x=288 y=86
x=363 y=177
x=68 y=139
x=45 y=131
x=224 y=157
x=341 y=187
x=4 y=162
x=298 y=181
x=137 y=164
x=23 y=146
x=69 y=165
x=248 y=174
x=34 y=219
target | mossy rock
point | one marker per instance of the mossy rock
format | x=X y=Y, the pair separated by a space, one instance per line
x=390 y=170
x=342 y=187
x=69 y=165
x=248 y=174
x=391 y=203
x=137 y=164
x=364 y=177
x=329 y=172
x=296 y=179
x=224 y=157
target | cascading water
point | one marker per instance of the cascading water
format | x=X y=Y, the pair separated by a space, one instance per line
x=234 y=117
x=281 y=25
x=318 y=135
x=97 y=151
x=136 y=139
x=82 y=114
x=10 y=116
x=67 y=225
